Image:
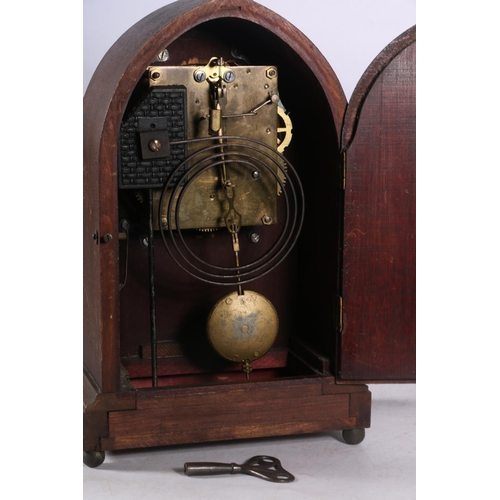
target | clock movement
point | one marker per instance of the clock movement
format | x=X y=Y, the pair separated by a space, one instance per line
x=249 y=238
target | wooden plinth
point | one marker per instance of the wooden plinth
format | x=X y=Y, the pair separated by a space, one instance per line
x=185 y=415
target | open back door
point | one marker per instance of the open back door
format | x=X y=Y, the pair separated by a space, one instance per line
x=377 y=343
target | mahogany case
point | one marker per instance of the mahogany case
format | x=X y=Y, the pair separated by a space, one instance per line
x=345 y=295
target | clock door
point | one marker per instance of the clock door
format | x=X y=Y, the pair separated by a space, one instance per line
x=377 y=341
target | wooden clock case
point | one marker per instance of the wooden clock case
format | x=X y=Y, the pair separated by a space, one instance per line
x=345 y=295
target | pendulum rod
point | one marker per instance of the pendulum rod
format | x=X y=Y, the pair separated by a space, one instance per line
x=236 y=250
x=223 y=172
x=233 y=224
x=152 y=298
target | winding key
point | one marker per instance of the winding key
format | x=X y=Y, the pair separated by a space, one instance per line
x=262 y=466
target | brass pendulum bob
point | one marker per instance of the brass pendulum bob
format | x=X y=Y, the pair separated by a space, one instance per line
x=242 y=328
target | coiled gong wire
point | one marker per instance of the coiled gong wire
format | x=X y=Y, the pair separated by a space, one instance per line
x=228 y=150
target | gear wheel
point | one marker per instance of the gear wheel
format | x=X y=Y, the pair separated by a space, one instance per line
x=284 y=130
x=284 y=136
x=282 y=176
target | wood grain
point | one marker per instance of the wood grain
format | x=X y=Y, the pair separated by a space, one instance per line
x=104 y=105
x=231 y=432
x=378 y=337
x=232 y=415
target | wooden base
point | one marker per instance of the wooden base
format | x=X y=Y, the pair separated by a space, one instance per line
x=253 y=409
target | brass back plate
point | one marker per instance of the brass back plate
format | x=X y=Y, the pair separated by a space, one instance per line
x=203 y=202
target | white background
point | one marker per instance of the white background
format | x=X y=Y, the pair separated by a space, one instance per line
x=350 y=34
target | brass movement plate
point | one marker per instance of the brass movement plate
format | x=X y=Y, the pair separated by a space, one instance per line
x=243 y=113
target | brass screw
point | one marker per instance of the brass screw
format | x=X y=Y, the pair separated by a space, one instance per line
x=200 y=76
x=255 y=237
x=154 y=145
x=229 y=76
x=163 y=55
